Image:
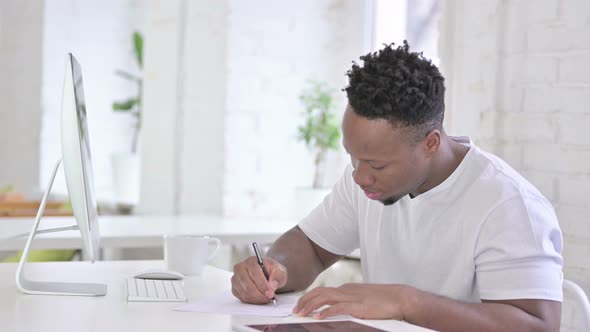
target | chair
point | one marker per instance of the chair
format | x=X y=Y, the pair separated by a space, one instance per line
x=575 y=314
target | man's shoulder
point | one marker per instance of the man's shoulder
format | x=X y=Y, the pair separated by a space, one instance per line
x=491 y=177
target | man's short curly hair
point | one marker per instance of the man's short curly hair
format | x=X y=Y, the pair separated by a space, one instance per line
x=400 y=86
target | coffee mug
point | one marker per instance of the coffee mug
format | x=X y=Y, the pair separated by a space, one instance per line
x=188 y=254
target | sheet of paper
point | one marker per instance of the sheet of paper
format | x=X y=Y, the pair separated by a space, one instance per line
x=226 y=303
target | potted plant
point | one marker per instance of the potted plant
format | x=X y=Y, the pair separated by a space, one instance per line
x=132 y=105
x=320 y=132
x=126 y=164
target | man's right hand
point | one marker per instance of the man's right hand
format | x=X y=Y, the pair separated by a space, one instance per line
x=249 y=285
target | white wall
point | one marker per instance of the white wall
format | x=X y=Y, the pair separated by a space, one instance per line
x=21 y=43
x=204 y=105
x=184 y=97
x=160 y=107
x=222 y=102
x=273 y=48
x=519 y=84
x=98 y=33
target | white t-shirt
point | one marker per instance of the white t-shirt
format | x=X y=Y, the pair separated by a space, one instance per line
x=483 y=233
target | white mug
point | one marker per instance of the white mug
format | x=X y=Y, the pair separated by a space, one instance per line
x=188 y=254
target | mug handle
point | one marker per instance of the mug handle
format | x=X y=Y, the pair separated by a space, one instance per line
x=217 y=245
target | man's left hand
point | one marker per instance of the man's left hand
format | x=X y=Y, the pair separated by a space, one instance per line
x=366 y=301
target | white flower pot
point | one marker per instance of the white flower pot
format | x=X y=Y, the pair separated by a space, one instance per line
x=126 y=176
x=306 y=199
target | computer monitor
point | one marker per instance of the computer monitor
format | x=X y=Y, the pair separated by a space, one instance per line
x=77 y=159
x=80 y=183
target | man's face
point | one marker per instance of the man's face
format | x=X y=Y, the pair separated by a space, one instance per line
x=386 y=166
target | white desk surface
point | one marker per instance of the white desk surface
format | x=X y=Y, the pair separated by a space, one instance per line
x=20 y=312
x=144 y=231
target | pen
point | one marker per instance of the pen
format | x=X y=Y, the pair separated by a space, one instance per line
x=261 y=263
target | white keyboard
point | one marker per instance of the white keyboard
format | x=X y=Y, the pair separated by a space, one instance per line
x=155 y=290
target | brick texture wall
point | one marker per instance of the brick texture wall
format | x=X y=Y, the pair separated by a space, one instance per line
x=518 y=79
x=273 y=49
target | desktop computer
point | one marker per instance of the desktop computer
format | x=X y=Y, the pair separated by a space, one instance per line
x=77 y=163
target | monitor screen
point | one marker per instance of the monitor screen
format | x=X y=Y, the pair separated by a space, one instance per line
x=77 y=158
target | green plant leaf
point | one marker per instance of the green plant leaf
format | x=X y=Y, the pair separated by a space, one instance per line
x=126 y=105
x=321 y=130
x=138 y=46
x=132 y=105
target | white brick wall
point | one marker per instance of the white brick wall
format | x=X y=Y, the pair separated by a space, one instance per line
x=273 y=48
x=558 y=158
x=574 y=190
x=574 y=128
x=540 y=100
x=532 y=72
x=572 y=99
x=574 y=68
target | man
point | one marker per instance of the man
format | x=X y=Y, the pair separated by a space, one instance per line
x=451 y=237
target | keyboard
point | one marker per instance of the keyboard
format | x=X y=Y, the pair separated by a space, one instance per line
x=155 y=290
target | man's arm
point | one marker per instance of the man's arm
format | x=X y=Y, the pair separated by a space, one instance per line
x=444 y=314
x=303 y=259
x=293 y=262
x=372 y=301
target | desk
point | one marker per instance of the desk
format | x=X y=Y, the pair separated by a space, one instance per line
x=144 y=231
x=25 y=313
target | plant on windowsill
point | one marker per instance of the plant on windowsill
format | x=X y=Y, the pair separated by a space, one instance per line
x=126 y=164
x=320 y=132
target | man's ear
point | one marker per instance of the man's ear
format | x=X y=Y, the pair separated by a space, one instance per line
x=432 y=141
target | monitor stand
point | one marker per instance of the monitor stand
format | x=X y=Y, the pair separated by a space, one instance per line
x=51 y=288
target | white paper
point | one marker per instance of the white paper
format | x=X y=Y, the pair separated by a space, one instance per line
x=226 y=303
